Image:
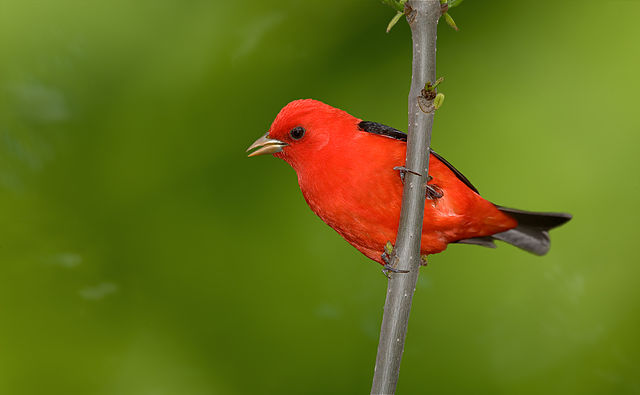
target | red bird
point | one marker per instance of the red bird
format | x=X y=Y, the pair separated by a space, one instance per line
x=345 y=169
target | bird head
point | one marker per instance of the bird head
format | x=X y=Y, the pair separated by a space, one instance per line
x=302 y=132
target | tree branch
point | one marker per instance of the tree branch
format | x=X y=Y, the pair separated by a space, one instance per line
x=423 y=17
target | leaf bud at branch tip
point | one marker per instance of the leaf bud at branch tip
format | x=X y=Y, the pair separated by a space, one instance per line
x=394 y=20
x=450 y=21
x=388 y=248
x=437 y=102
x=399 y=6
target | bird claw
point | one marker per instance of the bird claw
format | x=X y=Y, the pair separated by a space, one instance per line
x=390 y=265
x=434 y=192
x=386 y=269
x=403 y=170
x=423 y=260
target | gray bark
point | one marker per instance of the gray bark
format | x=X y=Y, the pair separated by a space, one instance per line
x=423 y=19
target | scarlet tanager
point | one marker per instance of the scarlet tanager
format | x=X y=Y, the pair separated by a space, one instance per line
x=345 y=169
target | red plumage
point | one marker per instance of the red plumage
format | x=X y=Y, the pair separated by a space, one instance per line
x=346 y=176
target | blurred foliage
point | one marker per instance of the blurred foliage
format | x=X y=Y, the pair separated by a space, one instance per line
x=141 y=252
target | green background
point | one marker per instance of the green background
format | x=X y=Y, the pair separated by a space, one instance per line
x=141 y=252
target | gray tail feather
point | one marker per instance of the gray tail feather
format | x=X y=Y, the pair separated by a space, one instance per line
x=531 y=234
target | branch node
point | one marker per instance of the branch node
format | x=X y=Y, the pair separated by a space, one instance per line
x=426 y=105
x=410 y=13
x=429 y=100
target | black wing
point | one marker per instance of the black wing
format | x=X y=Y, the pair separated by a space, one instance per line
x=382 y=130
x=388 y=131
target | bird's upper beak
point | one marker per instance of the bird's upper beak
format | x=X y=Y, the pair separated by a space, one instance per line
x=266 y=145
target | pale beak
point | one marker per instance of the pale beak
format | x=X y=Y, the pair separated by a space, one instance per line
x=265 y=146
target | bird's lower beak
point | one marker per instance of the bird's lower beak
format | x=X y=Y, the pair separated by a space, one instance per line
x=265 y=146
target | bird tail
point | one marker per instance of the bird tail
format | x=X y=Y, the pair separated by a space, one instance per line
x=532 y=232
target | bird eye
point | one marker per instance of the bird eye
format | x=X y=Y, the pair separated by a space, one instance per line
x=296 y=133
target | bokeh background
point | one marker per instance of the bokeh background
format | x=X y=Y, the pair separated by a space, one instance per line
x=141 y=252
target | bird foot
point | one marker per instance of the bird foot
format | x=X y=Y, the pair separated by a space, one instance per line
x=423 y=260
x=390 y=262
x=433 y=191
x=403 y=170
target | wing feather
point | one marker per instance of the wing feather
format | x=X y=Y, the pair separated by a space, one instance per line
x=388 y=131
